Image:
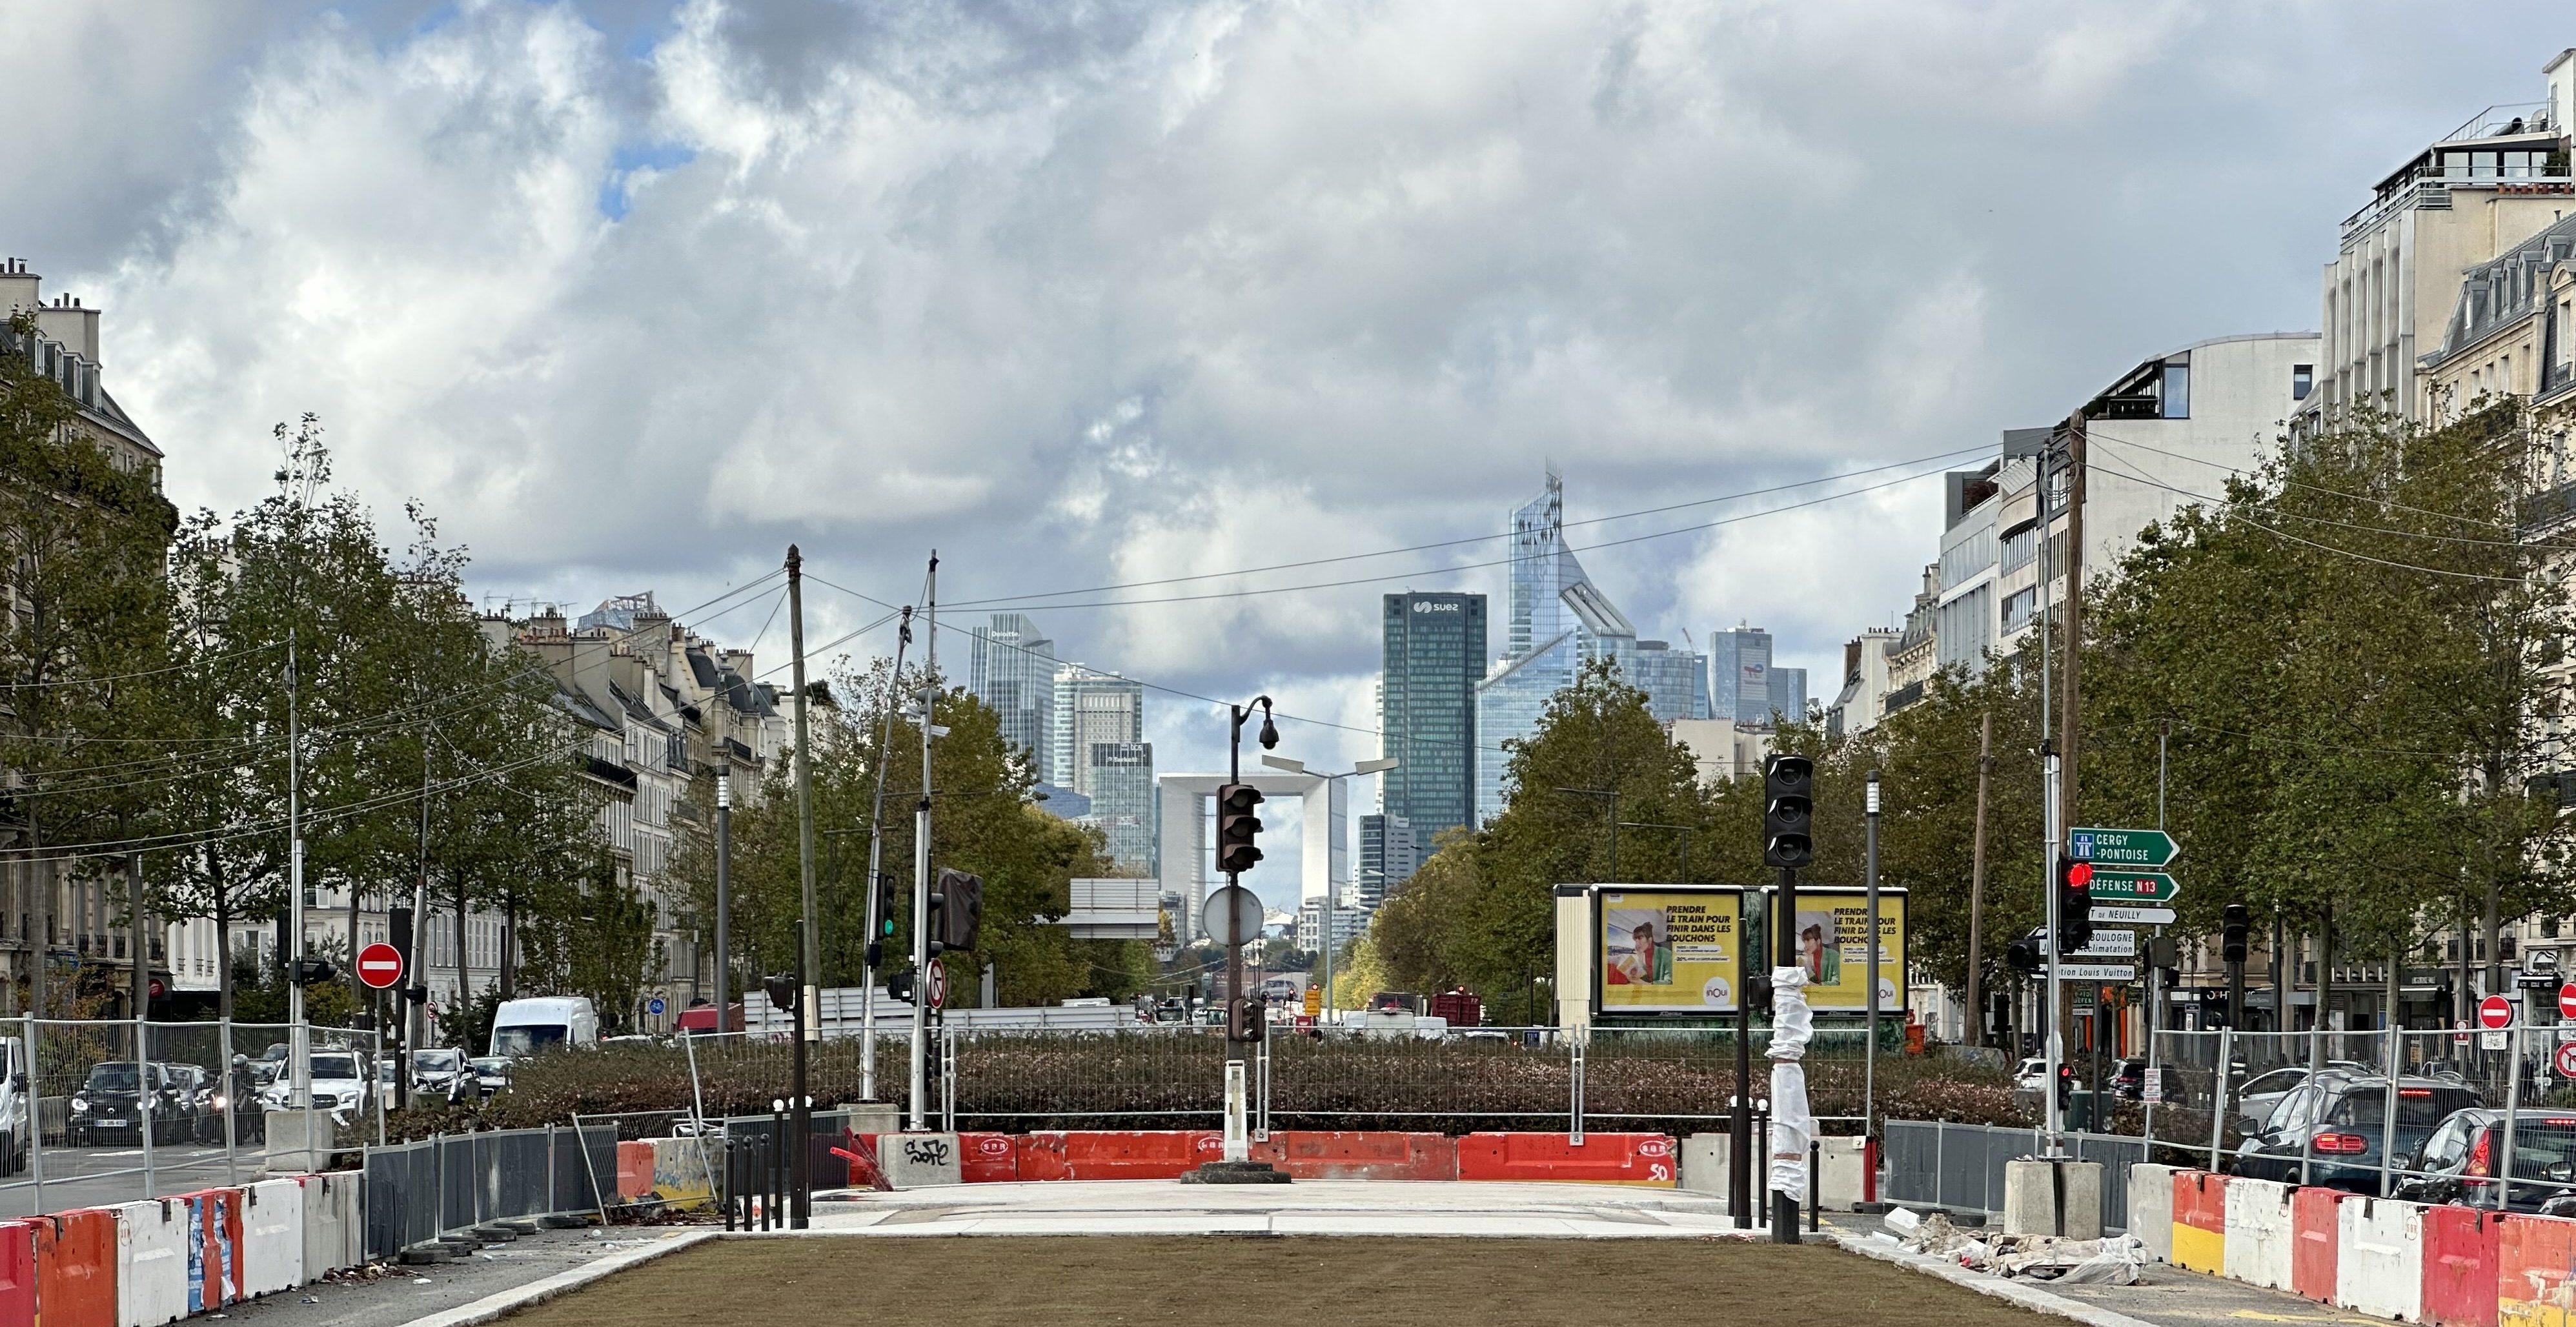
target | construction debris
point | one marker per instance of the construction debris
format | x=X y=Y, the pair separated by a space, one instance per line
x=2117 y=1261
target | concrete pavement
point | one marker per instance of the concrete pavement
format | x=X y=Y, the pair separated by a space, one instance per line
x=98 y=1176
x=1307 y=1207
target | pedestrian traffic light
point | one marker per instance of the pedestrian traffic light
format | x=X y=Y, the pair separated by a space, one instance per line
x=2027 y=954
x=899 y=986
x=2074 y=904
x=957 y=910
x=1237 y=827
x=782 y=991
x=2231 y=933
x=1788 y=811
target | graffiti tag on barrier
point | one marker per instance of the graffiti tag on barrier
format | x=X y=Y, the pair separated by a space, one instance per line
x=925 y=1151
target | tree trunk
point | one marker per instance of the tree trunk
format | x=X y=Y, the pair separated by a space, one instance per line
x=464 y=975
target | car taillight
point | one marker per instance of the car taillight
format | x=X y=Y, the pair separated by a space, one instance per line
x=2477 y=1157
x=2342 y=1142
x=2414 y=1091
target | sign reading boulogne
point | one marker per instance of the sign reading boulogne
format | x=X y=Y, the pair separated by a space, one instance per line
x=2145 y=849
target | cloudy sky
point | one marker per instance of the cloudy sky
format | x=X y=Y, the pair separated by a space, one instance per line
x=1087 y=294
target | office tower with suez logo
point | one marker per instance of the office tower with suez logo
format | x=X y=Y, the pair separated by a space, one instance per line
x=1434 y=654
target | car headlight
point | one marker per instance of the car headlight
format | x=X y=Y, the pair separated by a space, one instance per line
x=80 y=1105
x=221 y=1102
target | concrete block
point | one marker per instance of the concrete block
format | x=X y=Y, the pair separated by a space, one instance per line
x=868 y=1117
x=1704 y=1163
x=919 y=1160
x=2053 y=1198
x=2258 y=1244
x=2151 y=1209
x=292 y=1150
x=1842 y=1170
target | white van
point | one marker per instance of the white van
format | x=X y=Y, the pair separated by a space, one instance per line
x=543 y=1023
x=16 y=1107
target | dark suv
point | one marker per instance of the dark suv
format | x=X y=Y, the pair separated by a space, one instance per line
x=109 y=1103
x=2333 y=1123
x=2463 y=1157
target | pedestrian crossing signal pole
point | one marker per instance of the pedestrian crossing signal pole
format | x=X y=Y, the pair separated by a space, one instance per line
x=1788 y=814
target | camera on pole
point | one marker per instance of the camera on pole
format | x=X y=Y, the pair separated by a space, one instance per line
x=2074 y=904
x=2231 y=933
x=1237 y=826
x=1788 y=811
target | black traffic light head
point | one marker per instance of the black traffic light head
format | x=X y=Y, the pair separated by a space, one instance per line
x=2027 y=954
x=2231 y=933
x=1237 y=828
x=1788 y=811
x=314 y=971
x=899 y=986
x=885 y=908
x=1244 y=1020
x=960 y=909
x=2074 y=904
x=782 y=991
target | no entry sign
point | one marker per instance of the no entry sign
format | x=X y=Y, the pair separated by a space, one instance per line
x=2567 y=1000
x=2495 y=1013
x=380 y=965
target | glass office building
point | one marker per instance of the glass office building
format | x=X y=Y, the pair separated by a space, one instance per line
x=1743 y=684
x=1434 y=652
x=1010 y=666
x=1558 y=620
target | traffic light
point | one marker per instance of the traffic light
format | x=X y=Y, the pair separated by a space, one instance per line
x=2027 y=954
x=899 y=986
x=1244 y=1019
x=314 y=971
x=1236 y=827
x=1788 y=810
x=2231 y=933
x=2074 y=904
x=957 y=910
x=885 y=919
x=782 y=991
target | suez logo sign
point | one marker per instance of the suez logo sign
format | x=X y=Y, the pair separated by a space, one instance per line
x=1424 y=606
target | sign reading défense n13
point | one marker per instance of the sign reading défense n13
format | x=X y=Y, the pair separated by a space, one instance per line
x=1667 y=949
x=1832 y=932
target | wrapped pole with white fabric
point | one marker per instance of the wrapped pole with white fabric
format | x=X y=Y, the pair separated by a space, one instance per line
x=1793 y=1126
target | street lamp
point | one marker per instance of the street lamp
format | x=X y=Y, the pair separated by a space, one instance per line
x=1331 y=904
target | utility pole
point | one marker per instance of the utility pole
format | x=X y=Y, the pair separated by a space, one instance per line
x=808 y=960
x=299 y=1041
x=1869 y=1055
x=415 y=1012
x=2071 y=701
x=875 y=948
x=1977 y=881
x=724 y=897
x=917 y=1120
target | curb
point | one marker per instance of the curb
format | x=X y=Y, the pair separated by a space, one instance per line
x=2016 y=1292
x=494 y=1306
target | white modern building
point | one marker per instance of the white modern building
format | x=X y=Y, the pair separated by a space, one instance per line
x=1188 y=839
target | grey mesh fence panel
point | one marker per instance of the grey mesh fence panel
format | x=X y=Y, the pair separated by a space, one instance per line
x=1912 y=1152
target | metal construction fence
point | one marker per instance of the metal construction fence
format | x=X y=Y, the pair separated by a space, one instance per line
x=1172 y=1076
x=96 y=1111
x=2358 y=1109
x=1961 y=1166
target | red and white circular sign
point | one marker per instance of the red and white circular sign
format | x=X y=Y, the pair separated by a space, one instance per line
x=2566 y=1058
x=938 y=985
x=2567 y=1000
x=2495 y=1013
x=380 y=965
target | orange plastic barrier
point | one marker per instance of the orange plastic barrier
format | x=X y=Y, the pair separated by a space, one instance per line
x=1373 y=1155
x=214 y=1248
x=76 y=1268
x=18 y=1272
x=634 y=1171
x=2312 y=1242
x=2460 y=1257
x=1603 y=1158
x=983 y=1158
x=1160 y=1154
x=2535 y=1271
x=2200 y=1221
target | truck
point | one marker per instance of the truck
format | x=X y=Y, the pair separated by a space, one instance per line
x=521 y=1028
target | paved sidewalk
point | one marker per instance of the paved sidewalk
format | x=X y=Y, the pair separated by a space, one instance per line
x=405 y=1294
x=1307 y=1207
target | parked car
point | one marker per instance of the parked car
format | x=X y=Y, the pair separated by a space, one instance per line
x=110 y=1103
x=2031 y=1074
x=2461 y=1158
x=2129 y=1083
x=542 y=1023
x=340 y=1086
x=2333 y=1124
x=491 y=1073
x=441 y=1072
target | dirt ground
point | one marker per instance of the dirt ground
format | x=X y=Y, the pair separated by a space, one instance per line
x=1084 y=1281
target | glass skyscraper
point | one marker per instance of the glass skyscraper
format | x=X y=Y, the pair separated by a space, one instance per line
x=1675 y=681
x=1434 y=651
x=1100 y=749
x=1010 y=666
x=1745 y=687
x=1388 y=858
x=1122 y=800
x=1558 y=619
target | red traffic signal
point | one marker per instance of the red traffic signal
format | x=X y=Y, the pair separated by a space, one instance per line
x=1237 y=828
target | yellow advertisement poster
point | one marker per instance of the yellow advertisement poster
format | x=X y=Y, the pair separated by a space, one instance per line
x=1833 y=945
x=1668 y=949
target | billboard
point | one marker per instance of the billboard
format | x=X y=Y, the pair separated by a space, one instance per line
x=1832 y=931
x=1667 y=949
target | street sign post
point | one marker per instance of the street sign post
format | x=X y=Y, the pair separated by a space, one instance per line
x=2142 y=849
x=2121 y=885
x=2107 y=914
x=380 y=965
x=656 y=1006
x=2495 y=1013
